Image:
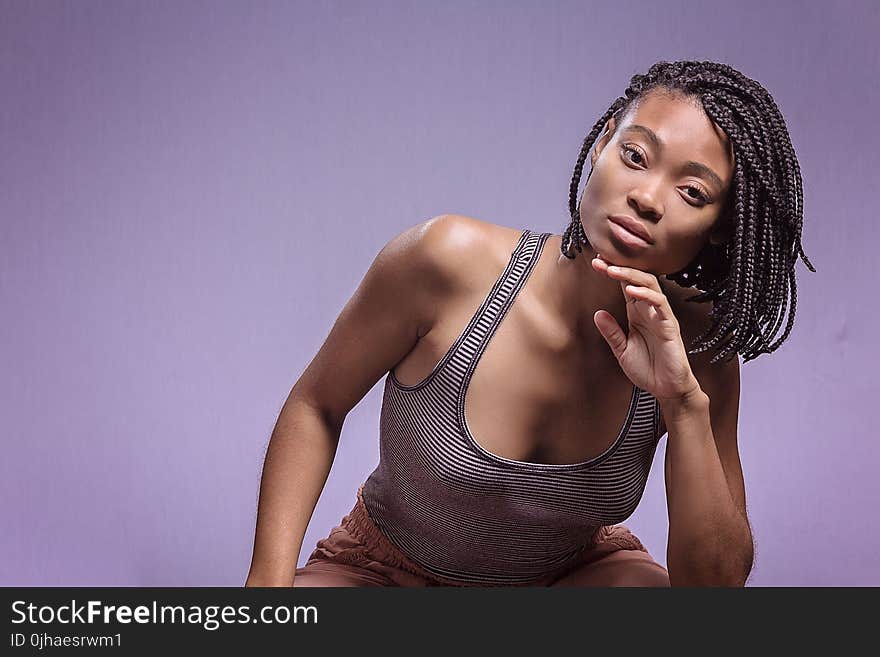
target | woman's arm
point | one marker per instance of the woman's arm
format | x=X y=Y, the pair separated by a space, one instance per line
x=709 y=542
x=709 y=538
x=392 y=307
x=296 y=468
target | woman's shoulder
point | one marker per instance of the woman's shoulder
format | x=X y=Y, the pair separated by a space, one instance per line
x=463 y=247
x=467 y=232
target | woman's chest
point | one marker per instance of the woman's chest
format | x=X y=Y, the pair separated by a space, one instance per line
x=536 y=390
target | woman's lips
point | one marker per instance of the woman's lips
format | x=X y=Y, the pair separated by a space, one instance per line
x=630 y=240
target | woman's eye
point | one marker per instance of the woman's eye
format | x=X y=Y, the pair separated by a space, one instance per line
x=700 y=194
x=629 y=149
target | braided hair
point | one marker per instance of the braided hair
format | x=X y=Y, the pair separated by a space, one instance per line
x=748 y=276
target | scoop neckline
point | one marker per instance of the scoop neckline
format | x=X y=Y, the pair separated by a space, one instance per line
x=461 y=420
x=475 y=359
x=534 y=465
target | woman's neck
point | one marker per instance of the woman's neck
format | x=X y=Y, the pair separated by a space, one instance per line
x=580 y=291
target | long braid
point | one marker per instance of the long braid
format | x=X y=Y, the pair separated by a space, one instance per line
x=574 y=236
x=750 y=277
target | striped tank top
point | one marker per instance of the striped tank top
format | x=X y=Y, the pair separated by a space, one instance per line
x=466 y=514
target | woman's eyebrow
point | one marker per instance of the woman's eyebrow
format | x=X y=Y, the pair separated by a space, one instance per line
x=694 y=167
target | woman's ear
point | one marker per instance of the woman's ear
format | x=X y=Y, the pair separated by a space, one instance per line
x=603 y=140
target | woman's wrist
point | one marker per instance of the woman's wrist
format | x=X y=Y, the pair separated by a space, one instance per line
x=695 y=400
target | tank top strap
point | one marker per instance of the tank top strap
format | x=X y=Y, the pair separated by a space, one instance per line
x=502 y=295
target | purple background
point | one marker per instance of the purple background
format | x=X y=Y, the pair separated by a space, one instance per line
x=190 y=192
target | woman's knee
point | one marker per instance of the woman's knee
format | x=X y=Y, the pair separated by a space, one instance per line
x=620 y=568
x=336 y=575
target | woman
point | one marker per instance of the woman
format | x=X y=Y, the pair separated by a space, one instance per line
x=531 y=375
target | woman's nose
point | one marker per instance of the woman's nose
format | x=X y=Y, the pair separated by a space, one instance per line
x=646 y=200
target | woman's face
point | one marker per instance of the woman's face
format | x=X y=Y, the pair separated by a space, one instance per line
x=675 y=185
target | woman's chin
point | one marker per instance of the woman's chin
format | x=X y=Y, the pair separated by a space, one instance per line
x=613 y=257
x=616 y=256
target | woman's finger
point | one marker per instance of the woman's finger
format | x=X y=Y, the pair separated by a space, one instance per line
x=657 y=300
x=635 y=276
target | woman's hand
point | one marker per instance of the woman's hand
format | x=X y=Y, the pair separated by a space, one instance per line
x=652 y=355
